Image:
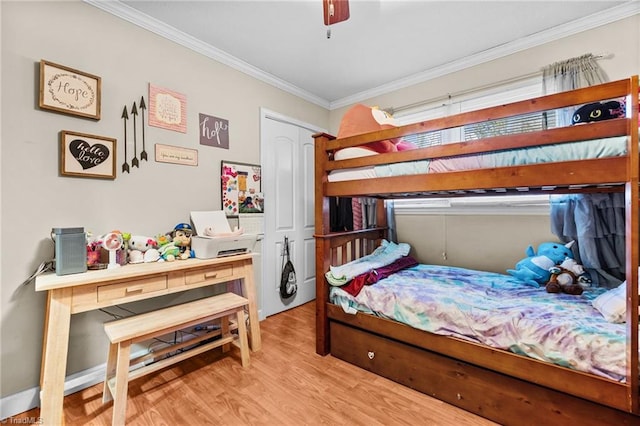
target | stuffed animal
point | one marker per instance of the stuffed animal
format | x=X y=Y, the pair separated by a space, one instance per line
x=534 y=269
x=598 y=111
x=361 y=119
x=568 y=277
x=142 y=249
x=182 y=239
x=163 y=239
x=167 y=248
x=169 y=251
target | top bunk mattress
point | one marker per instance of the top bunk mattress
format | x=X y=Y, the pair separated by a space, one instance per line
x=572 y=151
x=498 y=311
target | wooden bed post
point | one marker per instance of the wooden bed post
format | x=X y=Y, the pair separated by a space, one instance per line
x=323 y=257
x=381 y=214
x=632 y=210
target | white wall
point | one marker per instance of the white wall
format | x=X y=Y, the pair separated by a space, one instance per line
x=34 y=198
x=486 y=242
x=621 y=39
x=148 y=201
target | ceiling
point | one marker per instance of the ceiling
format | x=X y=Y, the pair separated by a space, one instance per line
x=384 y=45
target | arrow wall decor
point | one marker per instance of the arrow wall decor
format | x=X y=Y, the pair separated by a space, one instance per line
x=135 y=110
x=125 y=117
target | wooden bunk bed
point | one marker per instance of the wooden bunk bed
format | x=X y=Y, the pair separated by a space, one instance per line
x=493 y=383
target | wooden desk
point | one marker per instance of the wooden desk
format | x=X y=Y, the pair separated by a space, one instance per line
x=75 y=293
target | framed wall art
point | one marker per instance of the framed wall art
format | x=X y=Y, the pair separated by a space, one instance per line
x=84 y=155
x=241 y=188
x=69 y=91
x=167 y=109
x=214 y=131
x=176 y=155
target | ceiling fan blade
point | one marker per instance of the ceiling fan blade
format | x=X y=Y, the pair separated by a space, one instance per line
x=340 y=11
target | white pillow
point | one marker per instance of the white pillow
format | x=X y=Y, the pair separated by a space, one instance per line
x=352 y=152
x=613 y=304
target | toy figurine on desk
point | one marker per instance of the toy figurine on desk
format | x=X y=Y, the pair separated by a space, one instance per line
x=176 y=244
x=182 y=238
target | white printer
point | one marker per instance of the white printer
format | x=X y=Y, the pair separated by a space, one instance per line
x=214 y=238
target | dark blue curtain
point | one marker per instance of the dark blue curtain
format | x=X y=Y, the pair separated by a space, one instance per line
x=596 y=222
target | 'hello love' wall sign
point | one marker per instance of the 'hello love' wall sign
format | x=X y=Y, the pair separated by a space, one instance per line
x=84 y=155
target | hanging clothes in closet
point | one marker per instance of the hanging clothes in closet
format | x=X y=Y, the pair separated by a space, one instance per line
x=340 y=214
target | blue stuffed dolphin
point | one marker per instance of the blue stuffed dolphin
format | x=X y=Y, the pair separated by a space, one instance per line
x=534 y=269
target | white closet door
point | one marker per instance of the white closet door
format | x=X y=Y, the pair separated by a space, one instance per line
x=288 y=187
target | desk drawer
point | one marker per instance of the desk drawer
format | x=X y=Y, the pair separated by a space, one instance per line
x=208 y=274
x=131 y=289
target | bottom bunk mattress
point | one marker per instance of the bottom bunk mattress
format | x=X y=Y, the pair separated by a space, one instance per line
x=499 y=311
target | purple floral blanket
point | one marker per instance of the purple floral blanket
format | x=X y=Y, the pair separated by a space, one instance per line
x=499 y=311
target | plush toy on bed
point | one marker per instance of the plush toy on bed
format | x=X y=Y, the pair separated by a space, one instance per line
x=598 y=111
x=361 y=119
x=534 y=269
x=568 y=277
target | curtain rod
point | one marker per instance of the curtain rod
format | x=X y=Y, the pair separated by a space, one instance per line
x=393 y=110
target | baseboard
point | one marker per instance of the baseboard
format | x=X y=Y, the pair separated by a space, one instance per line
x=28 y=399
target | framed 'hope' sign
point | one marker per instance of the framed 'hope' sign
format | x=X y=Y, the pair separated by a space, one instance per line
x=84 y=155
x=69 y=91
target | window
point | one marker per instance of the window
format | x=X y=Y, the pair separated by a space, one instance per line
x=507 y=126
x=524 y=204
x=487 y=205
x=428 y=138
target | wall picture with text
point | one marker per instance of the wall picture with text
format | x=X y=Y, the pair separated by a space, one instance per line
x=214 y=131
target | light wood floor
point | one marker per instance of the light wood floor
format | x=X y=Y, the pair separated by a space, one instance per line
x=287 y=383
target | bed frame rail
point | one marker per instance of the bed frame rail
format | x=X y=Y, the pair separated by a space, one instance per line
x=583 y=385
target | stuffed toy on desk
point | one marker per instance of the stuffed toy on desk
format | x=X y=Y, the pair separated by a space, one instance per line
x=142 y=249
x=535 y=268
x=176 y=244
x=181 y=236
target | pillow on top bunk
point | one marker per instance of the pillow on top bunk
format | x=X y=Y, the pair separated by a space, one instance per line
x=613 y=304
x=363 y=151
x=352 y=152
x=361 y=119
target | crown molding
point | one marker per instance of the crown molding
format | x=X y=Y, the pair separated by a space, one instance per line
x=142 y=20
x=589 y=22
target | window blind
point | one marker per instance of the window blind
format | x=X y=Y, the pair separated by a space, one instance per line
x=525 y=204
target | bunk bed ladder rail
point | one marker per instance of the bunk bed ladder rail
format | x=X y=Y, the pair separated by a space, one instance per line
x=335 y=248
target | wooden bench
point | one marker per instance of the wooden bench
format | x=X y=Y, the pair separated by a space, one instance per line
x=124 y=332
